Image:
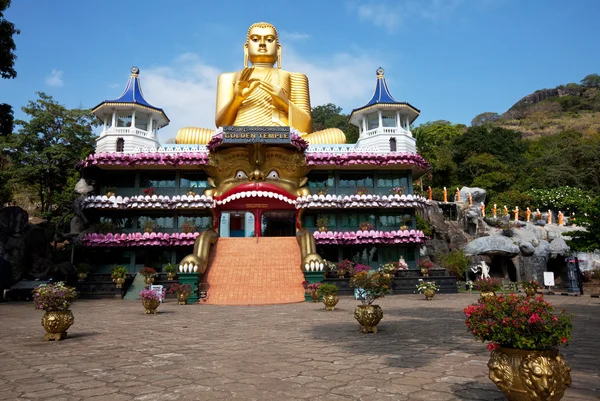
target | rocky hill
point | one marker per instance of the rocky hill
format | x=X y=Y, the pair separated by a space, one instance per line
x=549 y=111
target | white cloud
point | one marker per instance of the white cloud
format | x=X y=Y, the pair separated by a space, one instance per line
x=186 y=88
x=391 y=15
x=286 y=36
x=55 y=78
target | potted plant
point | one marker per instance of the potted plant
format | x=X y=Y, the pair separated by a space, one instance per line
x=530 y=287
x=427 y=288
x=369 y=287
x=322 y=191
x=183 y=292
x=362 y=191
x=149 y=225
x=170 y=269
x=151 y=299
x=311 y=289
x=366 y=226
x=55 y=299
x=83 y=269
x=110 y=191
x=330 y=268
x=488 y=286
x=424 y=266
x=343 y=267
x=191 y=191
x=118 y=274
x=189 y=226
x=149 y=191
x=389 y=268
x=328 y=292
x=523 y=334
x=148 y=274
x=322 y=223
x=397 y=191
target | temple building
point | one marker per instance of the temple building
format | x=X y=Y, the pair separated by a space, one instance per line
x=253 y=204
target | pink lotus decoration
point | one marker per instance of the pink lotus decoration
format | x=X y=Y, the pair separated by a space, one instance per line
x=352 y=158
x=149 y=202
x=370 y=237
x=139 y=239
x=357 y=201
x=143 y=158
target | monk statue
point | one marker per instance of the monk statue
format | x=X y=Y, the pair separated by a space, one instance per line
x=262 y=95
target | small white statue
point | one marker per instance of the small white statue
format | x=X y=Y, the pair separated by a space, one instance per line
x=485 y=270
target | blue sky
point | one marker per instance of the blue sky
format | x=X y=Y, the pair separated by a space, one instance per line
x=452 y=59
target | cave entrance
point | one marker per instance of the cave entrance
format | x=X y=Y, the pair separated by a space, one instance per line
x=558 y=266
x=503 y=267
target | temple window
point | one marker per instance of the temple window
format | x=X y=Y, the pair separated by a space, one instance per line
x=321 y=181
x=356 y=179
x=389 y=119
x=120 y=144
x=193 y=180
x=372 y=121
x=392 y=179
x=392 y=144
x=141 y=121
x=366 y=255
x=194 y=223
x=156 y=180
x=124 y=120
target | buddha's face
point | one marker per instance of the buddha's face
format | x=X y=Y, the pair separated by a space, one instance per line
x=262 y=45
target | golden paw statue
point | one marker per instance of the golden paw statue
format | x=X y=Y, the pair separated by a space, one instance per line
x=262 y=95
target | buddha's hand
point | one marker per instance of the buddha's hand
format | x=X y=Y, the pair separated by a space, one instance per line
x=245 y=86
x=279 y=95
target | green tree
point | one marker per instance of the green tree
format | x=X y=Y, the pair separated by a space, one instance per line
x=434 y=143
x=44 y=151
x=592 y=80
x=589 y=240
x=7 y=63
x=485 y=118
x=330 y=116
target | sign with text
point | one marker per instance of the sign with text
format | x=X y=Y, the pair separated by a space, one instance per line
x=246 y=135
x=549 y=279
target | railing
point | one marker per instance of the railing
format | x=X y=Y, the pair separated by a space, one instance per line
x=386 y=130
x=127 y=131
x=341 y=149
x=172 y=148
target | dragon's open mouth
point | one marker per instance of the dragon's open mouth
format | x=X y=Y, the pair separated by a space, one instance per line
x=256 y=190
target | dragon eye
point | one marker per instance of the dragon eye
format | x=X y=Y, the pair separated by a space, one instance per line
x=273 y=175
x=240 y=175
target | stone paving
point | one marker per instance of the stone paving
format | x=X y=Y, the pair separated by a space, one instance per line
x=283 y=352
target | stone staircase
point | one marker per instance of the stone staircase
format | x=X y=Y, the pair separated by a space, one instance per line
x=254 y=271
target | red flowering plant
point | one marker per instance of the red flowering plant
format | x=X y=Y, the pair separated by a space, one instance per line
x=54 y=296
x=533 y=285
x=370 y=286
x=344 y=266
x=518 y=322
x=178 y=288
x=424 y=264
x=310 y=288
x=488 y=284
x=153 y=294
x=149 y=191
x=361 y=268
x=147 y=272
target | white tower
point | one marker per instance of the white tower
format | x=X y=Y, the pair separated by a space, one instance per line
x=129 y=121
x=384 y=123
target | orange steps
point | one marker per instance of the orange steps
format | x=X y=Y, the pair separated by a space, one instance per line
x=254 y=271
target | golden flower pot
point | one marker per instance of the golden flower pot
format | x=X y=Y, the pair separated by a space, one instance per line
x=170 y=276
x=330 y=301
x=81 y=276
x=429 y=293
x=368 y=316
x=119 y=281
x=322 y=229
x=56 y=324
x=183 y=297
x=425 y=272
x=148 y=280
x=150 y=305
x=525 y=375
x=485 y=294
x=314 y=296
x=530 y=292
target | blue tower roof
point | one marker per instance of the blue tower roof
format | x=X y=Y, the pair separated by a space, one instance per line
x=132 y=95
x=382 y=93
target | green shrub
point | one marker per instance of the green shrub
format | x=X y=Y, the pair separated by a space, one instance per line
x=456 y=262
x=327 y=289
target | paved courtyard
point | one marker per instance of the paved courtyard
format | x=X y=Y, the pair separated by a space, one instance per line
x=284 y=352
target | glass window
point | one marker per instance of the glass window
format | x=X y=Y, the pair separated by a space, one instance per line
x=372 y=121
x=193 y=180
x=366 y=255
x=389 y=120
x=357 y=179
x=392 y=144
x=124 y=120
x=194 y=223
x=311 y=220
x=121 y=180
x=141 y=122
x=118 y=222
x=120 y=144
x=386 y=179
x=321 y=181
x=155 y=180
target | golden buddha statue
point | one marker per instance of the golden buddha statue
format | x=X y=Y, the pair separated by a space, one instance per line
x=262 y=95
